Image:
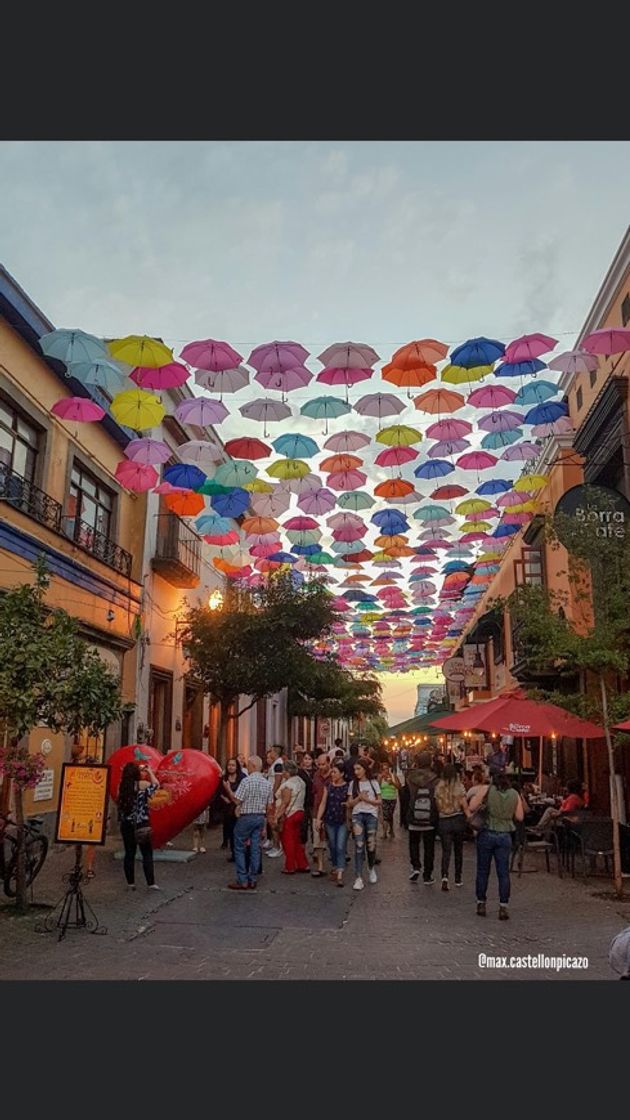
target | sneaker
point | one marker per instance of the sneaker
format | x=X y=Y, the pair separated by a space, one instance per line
x=154 y=887
x=481 y=909
x=504 y=914
x=203 y=851
x=444 y=884
x=266 y=844
x=358 y=884
x=274 y=853
x=458 y=883
x=195 y=850
x=373 y=877
x=428 y=882
x=415 y=875
x=131 y=886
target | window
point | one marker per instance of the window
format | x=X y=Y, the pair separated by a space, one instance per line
x=528 y=570
x=593 y=376
x=625 y=310
x=578 y=399
x=91 y=503
x=18 y=442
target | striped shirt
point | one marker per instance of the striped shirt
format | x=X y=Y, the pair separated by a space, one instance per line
x=254 y=794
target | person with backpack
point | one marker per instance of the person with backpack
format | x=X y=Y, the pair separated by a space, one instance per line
x=500 y=807
x=422 y=816
x=364 y=802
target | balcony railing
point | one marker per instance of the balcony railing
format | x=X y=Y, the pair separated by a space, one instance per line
x=177 y=552
x=100 y=546
x=29 y=499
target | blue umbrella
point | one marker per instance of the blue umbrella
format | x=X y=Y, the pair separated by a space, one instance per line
x=347 y=547
x=184 y=474
x=494 y=486
x=477 y=352
x=546 y=413
x=520 y=369
x=358 y=597
x=456 y=566
x=104 y=372
x=504 y=530
x=214 y=525
x=434 y=468
x=233 y=504
x=536 y=392
x=282 y=558
x=295 y=446
x=306 y=549
x=297 y=578
x=390 y=522
x=493 y=440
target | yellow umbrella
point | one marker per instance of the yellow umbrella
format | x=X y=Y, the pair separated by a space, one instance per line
x=399 y=435
x=524 y=507
x=473 y=505
x=259 y=486
x=531 y=482
x=137 y=409
x=475 y=527
x=380 y=556
x=457 y=375
x=139 y=350
x=288 y=468
x=371 y=616
x=488 y=557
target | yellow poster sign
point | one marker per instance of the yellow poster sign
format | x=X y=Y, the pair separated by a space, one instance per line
x=82 y=813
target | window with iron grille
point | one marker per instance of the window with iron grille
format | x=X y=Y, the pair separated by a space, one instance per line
x=91 y=502
x=19 y=442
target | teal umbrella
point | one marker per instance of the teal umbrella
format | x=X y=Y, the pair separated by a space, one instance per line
x=73 y=346
x=295 y=446
x=355 y=499
x=325 y=408
x=494 y=440
x=236 y=473
x=536 y=392
x=322 y=558
x=431 y=513
x=103 y=372
x=304 y=536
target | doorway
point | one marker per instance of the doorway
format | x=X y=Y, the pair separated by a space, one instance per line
x=161 y=708
x=192 y=717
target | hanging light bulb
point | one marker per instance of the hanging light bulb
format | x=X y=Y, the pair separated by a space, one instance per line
x=216 y=600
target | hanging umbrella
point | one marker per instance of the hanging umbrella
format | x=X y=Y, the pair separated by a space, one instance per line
x=574 y=361
x=494 y=486
x=424 y=351
x=346 y=480
x=222 y=381
x=317 y=501
x=529 y=346
x=170 y=376
x=325 y=408
x=284 y=380
x=458 y=375
x=473 y=505
x=202 y=411
x=393 y=488
x=349 y=355
x=266 y=411
x=390 y=521
x=336 y=375
x=231 y=505
x=477 y=352
x=607 y=340
x=356 y=499
x=432 y=513
x=520 y=369
x=282 y=558
x=413 y=378
x=210 y=354
x=73 y=346
x=295 y=446
x=199 y=451
x=102 y=372
x=449 y=492
x=511 y=499
x=495 y=440
x=474 y=527
x=272 y=504
x=137 y=409
x=434 y=468
x=277 y=356
x=78 y=409
x=259 y=486
x=476 y=461
x=557 y=427
x=449 y=429
x=287 y=469
x=399 y=435
x=247 y=447
x=222 y=540
x=531 y=482
x=139 y=350
x=346 y=442
x=395 y=456
x=505 y=530
x=340 y=462
x=490 y=396
x=136 y=476
x=503 y=421
x=546 y=413
x=166 y=488
x=436 y=401
x=447 y=447
x=184 y=503
x=212 y=487
x=184 y=475
x=236 y=473
x=521 y=452
x=379 y=404
x=147 y=451
x=214 y=524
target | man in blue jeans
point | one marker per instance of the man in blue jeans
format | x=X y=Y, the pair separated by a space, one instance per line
x=255 y=798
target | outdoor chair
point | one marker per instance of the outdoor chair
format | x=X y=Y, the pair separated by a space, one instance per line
x=595 y=838
x=528 y=840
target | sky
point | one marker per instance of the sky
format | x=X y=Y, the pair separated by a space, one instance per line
x=381 y=242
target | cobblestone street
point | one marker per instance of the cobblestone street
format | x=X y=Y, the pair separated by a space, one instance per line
x=305 y=928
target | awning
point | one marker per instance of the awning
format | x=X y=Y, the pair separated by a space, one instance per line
x=514 y=715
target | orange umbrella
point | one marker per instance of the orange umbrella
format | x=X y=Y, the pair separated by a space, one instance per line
x=340 y=463
x=439 y=400
x=185 y=503
x=259 y=525
x=393 y=488
x=223 y=566
x=399 y=550
x=357 y=579
x=389 y=542
x=422 y=352
x=409 y=378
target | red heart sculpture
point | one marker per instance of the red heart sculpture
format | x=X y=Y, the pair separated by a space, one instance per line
x=137 y=752
x=188 y=781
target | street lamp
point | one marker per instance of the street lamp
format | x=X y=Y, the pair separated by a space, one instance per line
x=216 y=600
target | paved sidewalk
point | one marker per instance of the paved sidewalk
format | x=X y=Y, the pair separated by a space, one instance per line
x=304 y=928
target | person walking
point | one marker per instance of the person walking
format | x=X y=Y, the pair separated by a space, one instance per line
x=422 y=816
x=332 y=813
x=389 y=785
x=254 y=796
x=137 y=786
x=232 y=777
x=319 y=785
x=275 y=776
x=348 y=766
x=289 y=818
x=364 y=800
x=494 y=841
x=450 y=798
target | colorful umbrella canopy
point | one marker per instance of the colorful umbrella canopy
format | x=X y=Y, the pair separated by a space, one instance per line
x=393 y=488
x=184 y=503
x=490 y=396
x=231 y=505
x=346 y=480
x=139 y=350
x=73 y=346
x=325 y=408
x=295 y=446
x=449 y=492
x=276 y=357
x=347 y=376
x=494 y=440
x=136 y=476
x=137 y=409
x=345 y=442
x=202 y=411
x=185 y=475
x=521 y=452
x=502 y=421
x=340 y=462
x=199 y=451
x=223 y=381
x=288 y=469
x=271 y=505
x=447 y=447
x=458 y=375
x=529 y=346
x=395 y=456
x=246 y=447
x=557 y=427
x=284 y=380
x=437 y=401
x=265 y=410
x=356 y=499
x=530 y=482
x=210 y=354
x=170 y=376
x=412 y=378
x=574 y=361
x=212 y=523
x=434 y=468
x=79 y=409
x=494 y=486
x=476 y=461
x=449 y=429
x=317 y=501
x=546 y=413
x=477 y=352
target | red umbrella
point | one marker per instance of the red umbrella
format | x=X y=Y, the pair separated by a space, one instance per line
x=516 y=715
x=247 y=447
x=622 y=726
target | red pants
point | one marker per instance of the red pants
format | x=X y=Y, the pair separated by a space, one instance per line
x=290 y=837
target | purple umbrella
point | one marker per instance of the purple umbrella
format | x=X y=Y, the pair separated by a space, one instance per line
x=447 y=447
x=223 y=381
x=379 y=404
x=277 y=357
x=317 y=501
x=349 y=355
x=449 y=429
x=286 y=380
x=148 y=451
x=521 y=452
x=503 y=421
x=210 y=354
x=266 y=410
x=557 y=427
x=202 y=411
x=574 y=361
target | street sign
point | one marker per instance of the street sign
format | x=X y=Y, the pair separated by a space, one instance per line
x=82 y=812
x=454 y=669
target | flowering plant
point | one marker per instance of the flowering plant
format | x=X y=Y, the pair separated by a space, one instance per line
x=23 y=768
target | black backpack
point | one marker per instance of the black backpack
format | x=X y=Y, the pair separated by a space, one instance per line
x=423 y=811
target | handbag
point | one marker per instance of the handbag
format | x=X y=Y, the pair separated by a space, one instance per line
x=479 y=819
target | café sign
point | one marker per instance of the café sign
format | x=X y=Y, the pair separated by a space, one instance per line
x=608 y=511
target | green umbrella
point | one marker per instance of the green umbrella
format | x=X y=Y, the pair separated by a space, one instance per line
x=355 y=499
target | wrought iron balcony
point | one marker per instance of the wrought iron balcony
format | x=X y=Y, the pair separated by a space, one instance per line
x=100 y=546
x=29 y=499
x=177 y=552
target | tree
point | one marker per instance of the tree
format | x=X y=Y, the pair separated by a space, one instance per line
x=50 y=677
x=325 y=689
x=257 y=643
x=596 y=637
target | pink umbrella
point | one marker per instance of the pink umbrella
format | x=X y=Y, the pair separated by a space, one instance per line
x=222 y=381
x=574 y=361
x=202 y=411
x=277 y=357
x=559 y=427
x=317 y=501
x=608 y=340
x=449 y=429
x=482 y=515
x=379 y=404
x=438 y=542
x=490 y=396
x=168 y=488
x=336 y=375
x=348 y=355
x=446 y=447
x=345 y=442
x=529 y=346
x=170 y=376
x=222 y=539
x=342 y=520
x=395 y=456
x=346 y=480
x=301 y=485
x=211 y=354
x=78 y=409
x=517 y=518
x=339 y=605
x=148 y=451
x=476 y=461
x=468 y=538
x=350 y=533
x=136 y=476
x=301 y=523
x=271 y=505
x=513 y=498
x=265 y=410
x=520 y=452
x=285 y=380
x=504 y=421
x=263 y=550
